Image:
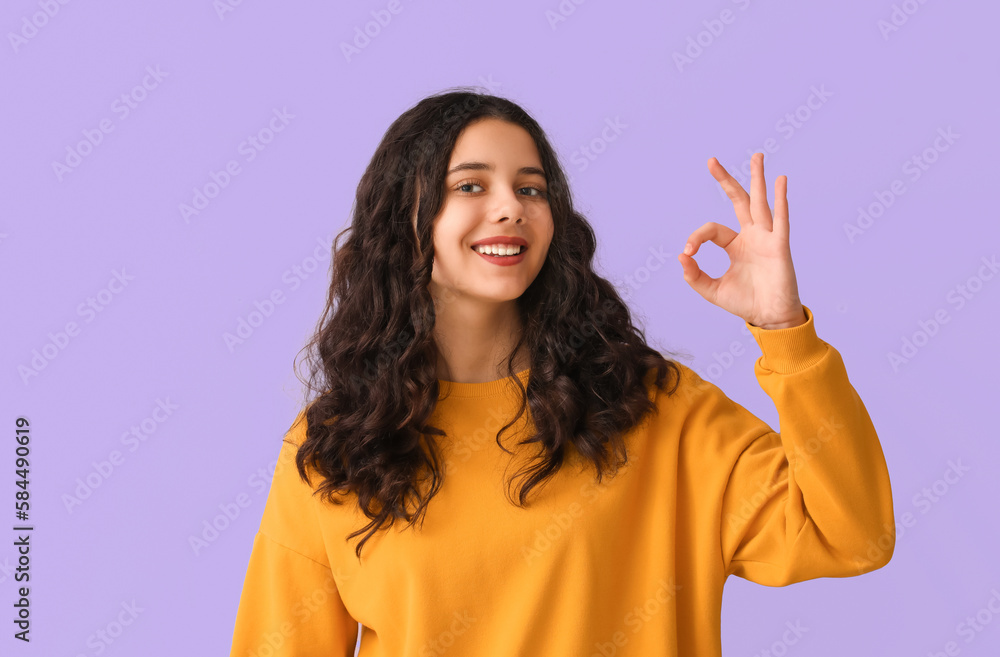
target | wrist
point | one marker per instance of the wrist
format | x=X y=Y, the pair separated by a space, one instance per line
x=787 y=352
x=783 y=325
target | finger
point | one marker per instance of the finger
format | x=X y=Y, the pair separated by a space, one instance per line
x=759 y=209
x=735 y=191
x=719 y=234
x=781 y=207
x=699 y=281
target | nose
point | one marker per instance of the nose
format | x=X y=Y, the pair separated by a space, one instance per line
x=509 y=207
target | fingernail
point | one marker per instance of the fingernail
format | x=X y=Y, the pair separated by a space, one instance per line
x=688 y=249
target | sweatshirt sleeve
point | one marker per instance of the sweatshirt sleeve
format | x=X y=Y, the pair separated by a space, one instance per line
x=811 y=500
x=290 y=604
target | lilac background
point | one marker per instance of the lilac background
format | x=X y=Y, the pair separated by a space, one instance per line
x=161 y=336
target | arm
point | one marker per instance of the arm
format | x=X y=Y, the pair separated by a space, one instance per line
x=290 y=604
x=805 y=502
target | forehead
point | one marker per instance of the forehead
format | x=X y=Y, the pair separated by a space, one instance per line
x=495 y=141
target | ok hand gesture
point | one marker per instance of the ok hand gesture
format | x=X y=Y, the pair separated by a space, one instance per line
x=759 y=285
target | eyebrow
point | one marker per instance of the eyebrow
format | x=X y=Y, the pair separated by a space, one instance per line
x=481 y=166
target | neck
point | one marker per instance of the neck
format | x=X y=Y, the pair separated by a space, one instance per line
x=474 y=338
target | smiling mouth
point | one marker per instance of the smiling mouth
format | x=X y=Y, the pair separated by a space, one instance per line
x=504 y=261
x=521 y=251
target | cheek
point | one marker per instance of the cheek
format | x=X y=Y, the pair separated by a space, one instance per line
x=449 y=256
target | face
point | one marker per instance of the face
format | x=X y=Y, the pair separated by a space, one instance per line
x=494 y=188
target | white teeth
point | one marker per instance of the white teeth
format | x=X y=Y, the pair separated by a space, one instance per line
x=499 y=249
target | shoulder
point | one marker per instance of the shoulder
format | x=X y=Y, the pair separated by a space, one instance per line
x=290 y=514
x=286 y=471
x=701 y=415
x=289 y=489
x=681 y=387
x=682 y=400
x=296 y=433
x=291 y=441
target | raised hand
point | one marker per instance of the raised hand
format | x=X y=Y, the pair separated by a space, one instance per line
x=759 y=285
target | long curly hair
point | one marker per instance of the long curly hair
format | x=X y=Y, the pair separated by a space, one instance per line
x=372 y=381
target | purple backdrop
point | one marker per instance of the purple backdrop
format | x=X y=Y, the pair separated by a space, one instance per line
x=148 y=422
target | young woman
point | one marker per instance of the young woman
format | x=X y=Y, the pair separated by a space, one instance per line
x=577 y=493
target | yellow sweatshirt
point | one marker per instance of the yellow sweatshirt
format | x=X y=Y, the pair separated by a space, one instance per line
x=634 y=566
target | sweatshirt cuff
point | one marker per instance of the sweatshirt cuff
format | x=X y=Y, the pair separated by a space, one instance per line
x=789 y=350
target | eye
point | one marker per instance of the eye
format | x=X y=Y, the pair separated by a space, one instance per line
x=539 y=192
x=467 y=184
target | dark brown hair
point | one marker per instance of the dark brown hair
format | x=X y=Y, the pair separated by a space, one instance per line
x=373 y=356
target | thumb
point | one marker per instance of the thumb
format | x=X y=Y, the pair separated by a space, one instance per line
x=699 y=281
